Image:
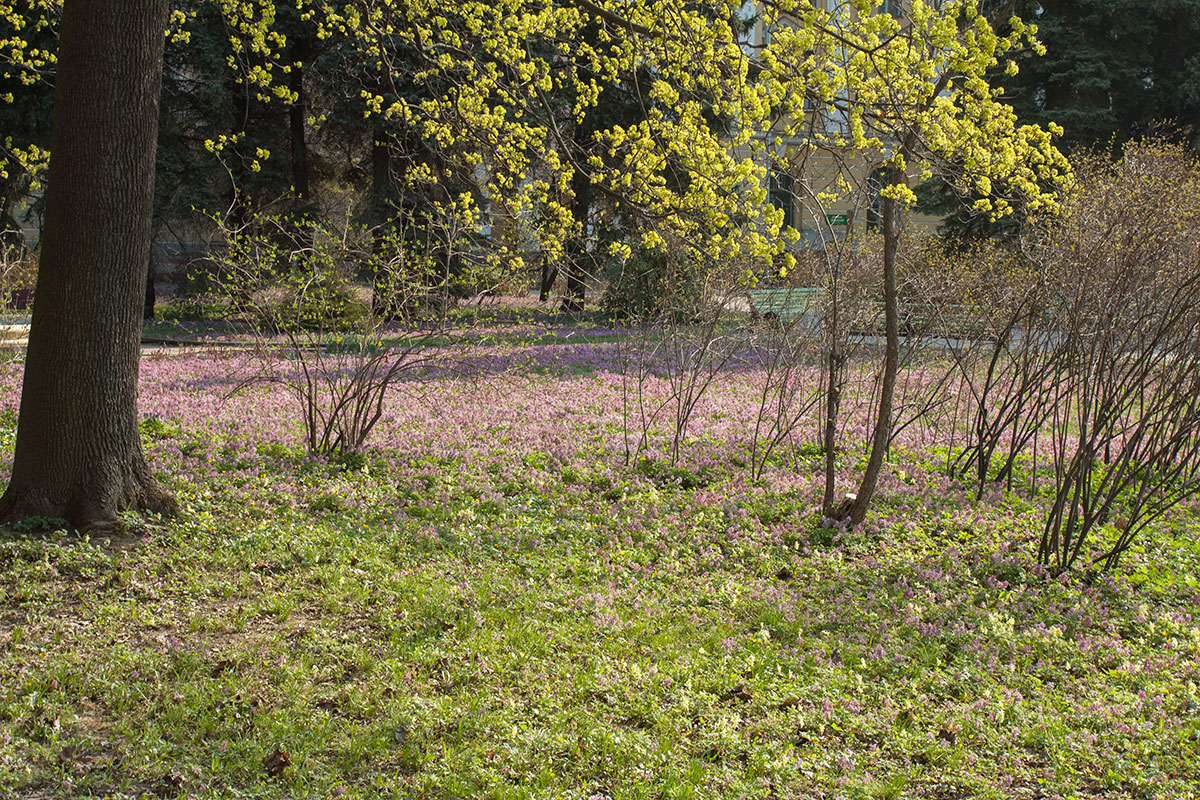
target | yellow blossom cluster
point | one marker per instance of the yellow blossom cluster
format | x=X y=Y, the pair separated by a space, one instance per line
x=513 y=91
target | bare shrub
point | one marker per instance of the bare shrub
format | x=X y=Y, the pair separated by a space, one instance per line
x=313 y=330
x=786 y=352
x=18 y=276
x=684 y=338
x=1095 y=372
x=1124 y=414
x=850 y=316
x=988 y=318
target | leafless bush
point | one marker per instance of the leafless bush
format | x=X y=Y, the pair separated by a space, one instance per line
x=787 y=354
x=685 y=339
x=1124 y=415
x=850 y=313
x=313 y=330
x=987 y=309
x=1095 y=371
x=18 y=275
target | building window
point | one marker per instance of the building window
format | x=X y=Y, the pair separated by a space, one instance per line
x=892 y=8
x=782 y=195
x=875 y=184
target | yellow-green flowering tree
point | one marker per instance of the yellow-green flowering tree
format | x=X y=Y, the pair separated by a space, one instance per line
x=866 y=103
x=27 y=39
x=484 y=82
x=501 y=71
x=486 y=74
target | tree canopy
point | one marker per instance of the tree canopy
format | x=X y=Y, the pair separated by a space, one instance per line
x=662 y=107
x=1112 y=70
x=503 y=111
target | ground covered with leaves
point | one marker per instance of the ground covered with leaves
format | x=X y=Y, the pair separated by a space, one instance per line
x=490 y=602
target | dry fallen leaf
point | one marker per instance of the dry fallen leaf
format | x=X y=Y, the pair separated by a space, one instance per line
x=738 y=692
x=276 y=762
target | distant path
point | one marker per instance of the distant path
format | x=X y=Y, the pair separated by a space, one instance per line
x=14 y=335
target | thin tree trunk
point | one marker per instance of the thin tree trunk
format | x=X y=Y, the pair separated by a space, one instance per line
x=855 y=509
x=383 y=295
x=549 y=277
x=78 y=451
x=833 y=399
x=833 y=402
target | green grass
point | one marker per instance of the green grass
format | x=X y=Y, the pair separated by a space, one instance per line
x=489 y=620
x=538 y=644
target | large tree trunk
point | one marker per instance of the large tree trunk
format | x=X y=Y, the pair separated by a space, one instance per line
x=78 y=451
x=297 y=112
x=575 y=264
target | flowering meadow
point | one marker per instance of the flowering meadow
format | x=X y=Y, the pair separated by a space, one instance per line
x=512 y=593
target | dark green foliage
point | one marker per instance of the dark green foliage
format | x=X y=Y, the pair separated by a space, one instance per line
x=666 y=475
x=1114 y=70
x=651 y=283
x=635 y=285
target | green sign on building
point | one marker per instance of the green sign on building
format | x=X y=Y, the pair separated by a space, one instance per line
x=835 y=219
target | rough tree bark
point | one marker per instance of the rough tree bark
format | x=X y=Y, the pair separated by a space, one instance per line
x=297 y=112
x=574 y=265
x=78 y=451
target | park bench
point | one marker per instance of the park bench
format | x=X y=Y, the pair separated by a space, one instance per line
x=786 y=304
x=952 y=320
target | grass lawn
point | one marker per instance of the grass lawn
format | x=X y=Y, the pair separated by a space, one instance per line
x=490 y=603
